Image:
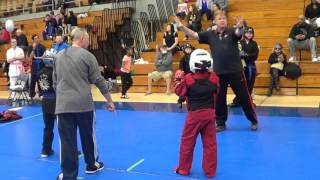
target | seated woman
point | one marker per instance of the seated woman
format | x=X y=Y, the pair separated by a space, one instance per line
x=277 y=61
x=194 y=19
x=170 y=39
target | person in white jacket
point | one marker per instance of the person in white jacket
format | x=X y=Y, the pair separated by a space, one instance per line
x=15 y=57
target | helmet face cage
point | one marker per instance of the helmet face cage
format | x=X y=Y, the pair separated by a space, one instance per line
x=200 y=60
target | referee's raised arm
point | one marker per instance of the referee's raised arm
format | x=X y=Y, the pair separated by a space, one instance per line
x=186 y=30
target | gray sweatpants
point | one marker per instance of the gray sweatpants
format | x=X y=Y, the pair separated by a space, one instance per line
x=306 y=44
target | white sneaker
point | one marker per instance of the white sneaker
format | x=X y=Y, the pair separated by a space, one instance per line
x=318 y=58
x=314 y=59
x=291 y=59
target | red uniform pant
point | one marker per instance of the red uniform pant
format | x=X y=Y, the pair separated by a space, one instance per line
x=200 y=121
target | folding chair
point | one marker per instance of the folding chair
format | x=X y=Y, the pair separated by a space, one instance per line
x=20 y=90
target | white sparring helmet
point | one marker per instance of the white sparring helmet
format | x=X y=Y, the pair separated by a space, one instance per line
x=200 y=59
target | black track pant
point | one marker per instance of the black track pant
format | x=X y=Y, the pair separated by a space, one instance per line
x=126 y=81
x=48 y=119
x=250 y=79
x=33 y=82
x=68 y=123
x=237 y=81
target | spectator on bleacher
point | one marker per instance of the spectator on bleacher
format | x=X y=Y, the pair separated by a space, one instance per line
x=215 y=8
x=170 y=39
x=277 y=61
x=4 y=36
x=15 y=57
x=223 y=43
x=62 y=26
x=53 y=25
x=184 y=66
x=59 y=44
x=36 y=51
x=22 y=40
x=205 y=7
x=312 y=13
x=163 y=65
x=194 y=19
x=249 y=54
x=182 y=9
x=45 y=32
x=72 y=21
x=302 y=36
x=223 y=4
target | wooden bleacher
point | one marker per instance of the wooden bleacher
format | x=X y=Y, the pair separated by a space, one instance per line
x=272 y=21
x=105 y=21
x=15 y=7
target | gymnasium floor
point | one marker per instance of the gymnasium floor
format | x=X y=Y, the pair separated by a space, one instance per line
x=141 y=141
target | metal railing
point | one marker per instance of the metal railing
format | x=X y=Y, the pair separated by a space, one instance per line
x=154 y=18
x=175 y=4
x=145 y=22
x=137 y=34
x=169 y=8
x=162 y=11
x=116 y=4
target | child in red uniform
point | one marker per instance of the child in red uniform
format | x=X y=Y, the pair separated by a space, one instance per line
x=200 y=89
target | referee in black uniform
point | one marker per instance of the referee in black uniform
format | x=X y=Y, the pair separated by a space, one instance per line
x=223 y=44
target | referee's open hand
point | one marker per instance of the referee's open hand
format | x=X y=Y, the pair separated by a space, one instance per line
x=111 y=107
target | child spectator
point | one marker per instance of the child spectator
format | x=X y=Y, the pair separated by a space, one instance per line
x=194 y=19
x=184 y=66
x=249 y=54
x=126 y=79
x=48 y=106
x=277 y=61
x=200 y=89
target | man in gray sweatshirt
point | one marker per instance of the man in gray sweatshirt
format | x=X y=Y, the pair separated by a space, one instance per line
x=75 y=69
x=163 y=70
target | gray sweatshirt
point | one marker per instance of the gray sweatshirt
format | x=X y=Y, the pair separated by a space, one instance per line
x=74 y=70
x=164 y=62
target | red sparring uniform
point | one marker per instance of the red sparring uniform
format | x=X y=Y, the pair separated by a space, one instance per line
x=200 y=90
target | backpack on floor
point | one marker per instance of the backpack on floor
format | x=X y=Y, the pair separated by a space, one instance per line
x=9 y=116
x=292 y=71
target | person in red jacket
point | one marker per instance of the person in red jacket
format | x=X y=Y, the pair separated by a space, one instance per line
x=4 y=36
x=200 y=89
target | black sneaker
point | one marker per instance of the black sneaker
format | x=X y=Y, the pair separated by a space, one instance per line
x=45 y=154
x=124 y=96
x=179 y=105
x=221 y=128
x=91 y=169
x=254 y=127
